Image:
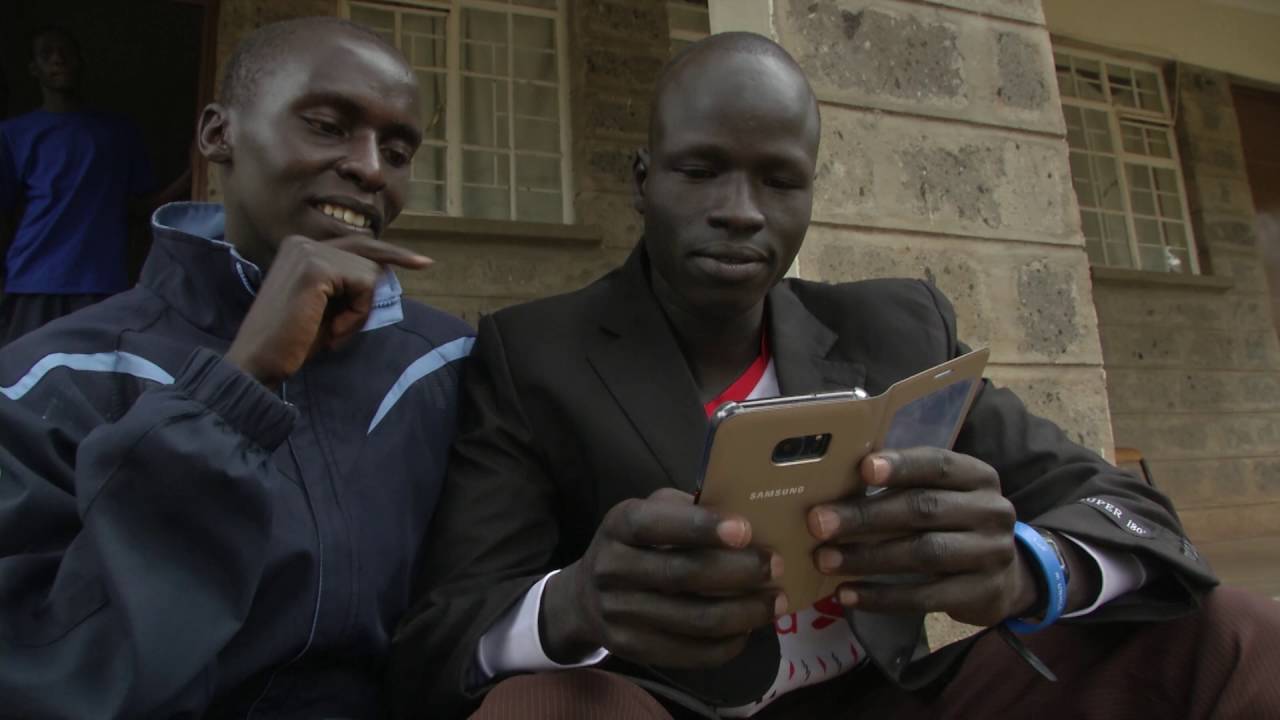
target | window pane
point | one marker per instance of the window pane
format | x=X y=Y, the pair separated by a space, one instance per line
x=373 y=18
x=1090 y=79
x=1116 y=229
x=1139 y=176
x=1148 y=231
x=538 y=206
x=425 y=197
x=481 y=101
x=1132 y=138
x=428 y=163
x=533 y=171
x=1107 y=179
x=1150 y=101
x=538 y=135
x=484 y=26
x=426 y=51
x=1091 y=226
x=535 y=65
x=1166 y=180
x=1153 y=258
x=543 y=4
x=431 y=97
x=482 y=168
x=1118 y=255
x=690 y=17
x=537 y=101
x=1179 y=261
x=1094 y=248
x=1175 y=235
x=1170 y=207
x=1142 y=201
x=533 y=32
x=494 y=204
x=422 y=24
x=1157 y=145
x=1096 y=120
x=1100 y=141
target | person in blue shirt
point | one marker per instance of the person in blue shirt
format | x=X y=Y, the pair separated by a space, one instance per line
x=70 y=179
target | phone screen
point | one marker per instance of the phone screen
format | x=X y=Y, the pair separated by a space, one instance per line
x=930 y=420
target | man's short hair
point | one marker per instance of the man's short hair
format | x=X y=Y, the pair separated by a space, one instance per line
x=261 y=49
x=46 y=30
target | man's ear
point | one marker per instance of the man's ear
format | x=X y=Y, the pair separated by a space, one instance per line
x=639 y=173
x=214 y=134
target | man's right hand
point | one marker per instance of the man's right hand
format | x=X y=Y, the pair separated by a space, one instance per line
x=314 y=297
x=665 y=582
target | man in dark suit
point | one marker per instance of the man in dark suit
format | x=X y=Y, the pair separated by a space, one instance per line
x=567 y=535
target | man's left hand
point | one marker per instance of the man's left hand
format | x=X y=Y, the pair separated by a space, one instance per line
x=943 y=518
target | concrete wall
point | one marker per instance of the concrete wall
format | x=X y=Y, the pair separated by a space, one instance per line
x=943 y=156
x=1195 y=371
x=1235 y=36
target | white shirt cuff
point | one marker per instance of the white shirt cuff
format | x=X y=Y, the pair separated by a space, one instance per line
x=513 y=645
x=1120 y=573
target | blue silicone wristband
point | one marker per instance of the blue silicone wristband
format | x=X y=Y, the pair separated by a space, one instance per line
x=1045 y=559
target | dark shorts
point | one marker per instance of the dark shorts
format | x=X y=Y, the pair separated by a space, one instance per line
x=21 y=313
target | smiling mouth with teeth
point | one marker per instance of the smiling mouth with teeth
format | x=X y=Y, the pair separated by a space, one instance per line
x=351 y=217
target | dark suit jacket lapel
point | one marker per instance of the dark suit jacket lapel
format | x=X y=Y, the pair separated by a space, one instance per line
x=636 y=356
x=802 y=349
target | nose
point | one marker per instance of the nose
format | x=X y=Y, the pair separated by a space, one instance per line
x=362 y=164
x=737 y=210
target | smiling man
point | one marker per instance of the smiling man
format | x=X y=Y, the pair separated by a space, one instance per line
x=213 y=487
x=567 y=535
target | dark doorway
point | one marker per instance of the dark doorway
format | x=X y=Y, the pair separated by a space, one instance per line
x=1259 y=114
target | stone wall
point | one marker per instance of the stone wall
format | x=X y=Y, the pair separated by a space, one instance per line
x=1194 y=372
x=943 y=156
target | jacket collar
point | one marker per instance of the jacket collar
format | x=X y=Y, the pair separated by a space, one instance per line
x=194 y=269
x=639 y=360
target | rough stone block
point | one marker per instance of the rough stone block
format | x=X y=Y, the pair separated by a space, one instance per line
x=1074 y=398
x=1024 y=78
x=605 y=166
x=1219 y=194
x=1202 y=86
x=1026 y=303
x=1139 y=346
x=1024 y=10
x=506 y=270
x=611 y=116
x=918 y=59
x=915 y=174
x=1207 y=483
x=1244 y=267
x=633 y=21
x=470 y=309
x=1211 y=120
x=1217 y=156
x=1231 y=522
x=1177 y=307
x=1197 y=436
x=621 y=68
x=1215 y=230
x=614 y=214
x=1135 y=391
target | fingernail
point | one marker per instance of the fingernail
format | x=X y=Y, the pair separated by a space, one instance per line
x=775 y=567
x=827 y=522
x=879 y=471
x=829 y=559
x=847 y=597
x=780 y=605
x=732 y=532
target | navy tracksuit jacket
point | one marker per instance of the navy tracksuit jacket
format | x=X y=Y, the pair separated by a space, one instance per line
x=175 y=539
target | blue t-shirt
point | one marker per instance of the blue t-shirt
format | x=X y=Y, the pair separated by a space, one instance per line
x=72 y=176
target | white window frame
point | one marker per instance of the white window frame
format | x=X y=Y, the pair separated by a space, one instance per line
x=1116 y=114
x=452 y=9
x=689 y=36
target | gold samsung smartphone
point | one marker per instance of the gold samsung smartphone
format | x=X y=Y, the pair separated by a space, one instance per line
x=772 y=460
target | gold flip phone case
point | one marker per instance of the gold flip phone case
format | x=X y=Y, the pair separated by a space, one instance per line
x=771 y=460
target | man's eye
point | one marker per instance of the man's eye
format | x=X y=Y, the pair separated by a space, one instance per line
x=325 y=126
x=395 y=158
x=782 y=183
x=696 y=173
